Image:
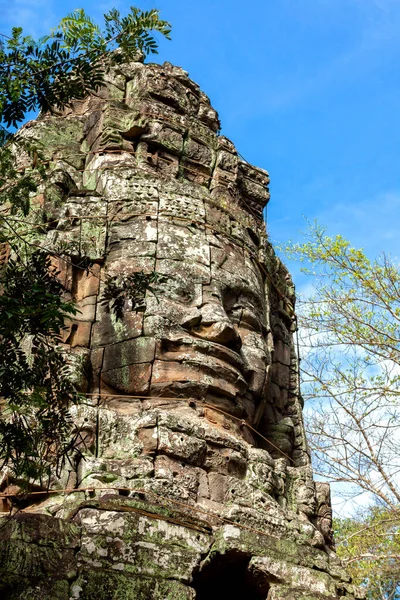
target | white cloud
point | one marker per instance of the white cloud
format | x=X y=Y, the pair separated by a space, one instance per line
x=372 y=219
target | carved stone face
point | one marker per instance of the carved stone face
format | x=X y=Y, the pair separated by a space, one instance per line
x=149 y=186
x=203 y=332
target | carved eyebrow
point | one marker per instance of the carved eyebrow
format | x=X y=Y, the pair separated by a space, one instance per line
x=241 y=297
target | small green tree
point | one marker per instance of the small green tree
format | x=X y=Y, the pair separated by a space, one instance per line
x=36 y=430
x=48 y=73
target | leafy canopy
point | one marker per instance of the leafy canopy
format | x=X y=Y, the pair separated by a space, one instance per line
x=370 y=548
x=70 y=61
x=35 y=424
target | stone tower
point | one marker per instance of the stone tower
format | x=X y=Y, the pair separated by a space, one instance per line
x=196 y=480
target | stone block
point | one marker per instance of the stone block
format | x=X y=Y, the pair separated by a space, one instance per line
x=179 y=472
x=99 y=472
x=106 y=584
x=162 y=135
x=110 y=330
x=182 y=446
x=218 y=485
x=203 y=489
x=208 y=115
x=50 y=544
x=138 y=545
x=86 y=309
x=294 y=578
x=118 y=434
x=128 y=379
x=129 y=352
x=125 y=266
x=138 y=229
x=179 y=205
x=167 y=372
x=280 y=375
x=77 y=333
x=182 y=242
x=148 y=437
x=282 y=353
x=194 y=271
x=278 y=396
x=225 y=461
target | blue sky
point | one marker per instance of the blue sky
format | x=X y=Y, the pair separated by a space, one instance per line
x=308 y=89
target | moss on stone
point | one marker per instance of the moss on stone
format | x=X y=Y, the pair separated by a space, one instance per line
x=104 y=585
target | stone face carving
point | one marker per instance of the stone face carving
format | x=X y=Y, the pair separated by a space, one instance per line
x=196 y=480
x=203 y=330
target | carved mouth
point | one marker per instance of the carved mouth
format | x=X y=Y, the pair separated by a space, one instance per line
x=216 y=368
x=184 y=346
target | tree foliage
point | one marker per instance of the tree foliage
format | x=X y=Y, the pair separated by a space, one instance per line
x=370 y=548
x=350 y=363
x=35 y=386
x=70 y=62
x=350 y=359
x=36 y=391
x=46 y=74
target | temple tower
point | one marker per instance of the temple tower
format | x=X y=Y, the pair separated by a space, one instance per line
x=195 y=480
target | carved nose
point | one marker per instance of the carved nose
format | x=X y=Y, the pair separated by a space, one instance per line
x=216 y=327
x=222 y=333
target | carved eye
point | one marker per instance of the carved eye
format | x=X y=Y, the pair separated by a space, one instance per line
x=251 y=320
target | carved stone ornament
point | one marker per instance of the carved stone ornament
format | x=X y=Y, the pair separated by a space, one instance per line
x=195 y=480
